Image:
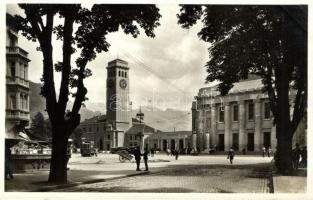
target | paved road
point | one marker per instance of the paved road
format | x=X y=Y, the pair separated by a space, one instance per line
x=188 y=174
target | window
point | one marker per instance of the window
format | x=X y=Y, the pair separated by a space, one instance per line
x=122 y=74
x=13 y=101
x=89 y=129
x=235 y=113
x=130 y=144
x=21 y=70
x=108 y=136
x=250 y=111
x=119 y=73
x=131 y=137
x=21 y=101
x=125 y=74
x=97 y=129
x=267 y=110
x=25 y=72
x=84 y=129
x=13 y=74
x=221 y=114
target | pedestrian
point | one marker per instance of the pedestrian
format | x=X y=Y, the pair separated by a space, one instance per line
x=176 y=153
x=296 y=156
x=263 y=151
x=145 y=159
x=168 y=151
x=137 y=155
x=152 y=152
x=269 y=152
x=8 y=163
x=304 y=156
x=231 y=155
x=244 y=151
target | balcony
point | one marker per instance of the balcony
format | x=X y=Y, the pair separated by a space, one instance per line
x=15 y=80
x=16 y=114
x=12 y=51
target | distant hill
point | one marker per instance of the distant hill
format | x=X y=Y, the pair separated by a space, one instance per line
x=38 y=103
x=166 y=120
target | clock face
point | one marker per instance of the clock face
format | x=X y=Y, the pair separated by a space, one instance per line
x=110 y=83
x=123 y=83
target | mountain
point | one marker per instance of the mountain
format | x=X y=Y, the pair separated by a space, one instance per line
x=166 y=120
x=38 y=103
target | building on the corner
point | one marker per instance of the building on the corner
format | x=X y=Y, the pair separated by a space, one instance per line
x=17 y=85
x=242 y=119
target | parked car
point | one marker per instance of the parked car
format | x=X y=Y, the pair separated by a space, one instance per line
x=88 y=149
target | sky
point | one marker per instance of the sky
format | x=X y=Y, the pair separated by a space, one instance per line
x=175 y=60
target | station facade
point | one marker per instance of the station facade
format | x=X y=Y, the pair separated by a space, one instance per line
x=242 y=119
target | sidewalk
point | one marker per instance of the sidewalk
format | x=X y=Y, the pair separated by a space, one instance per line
x=291 y=184
x=36 y=180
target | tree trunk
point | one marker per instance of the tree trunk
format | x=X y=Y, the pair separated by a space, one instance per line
x=284 y=151
x=283 y=132
x=58 y=166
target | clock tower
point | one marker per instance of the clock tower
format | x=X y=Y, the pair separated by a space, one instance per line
x=117 y=102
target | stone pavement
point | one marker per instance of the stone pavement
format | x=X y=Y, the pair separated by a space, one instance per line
x=291 y=184
x=253 y=178
x=106 y=167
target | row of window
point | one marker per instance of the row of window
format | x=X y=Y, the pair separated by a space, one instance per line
x=23 y=102
x=235 y=113
x=23 y=70
x=121 y=73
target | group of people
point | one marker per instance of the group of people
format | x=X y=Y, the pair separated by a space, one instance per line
x=138 y=154
x=173 y=152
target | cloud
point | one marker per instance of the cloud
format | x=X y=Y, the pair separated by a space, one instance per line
x=174 y=56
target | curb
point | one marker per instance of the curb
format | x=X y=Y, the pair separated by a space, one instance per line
x=63 y=186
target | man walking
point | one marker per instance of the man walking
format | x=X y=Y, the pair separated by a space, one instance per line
x=145 y=159
x=137 y=155
x=231 y=154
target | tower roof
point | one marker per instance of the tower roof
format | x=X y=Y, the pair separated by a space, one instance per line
x=118 y=63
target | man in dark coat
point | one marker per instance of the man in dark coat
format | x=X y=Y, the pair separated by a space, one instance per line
x=137 y=155
x=145 y=159
x=231 y=154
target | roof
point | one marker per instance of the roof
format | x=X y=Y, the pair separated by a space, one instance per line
x=242 y=86
x=99 y=118
x=141 y=127
x=176 y=133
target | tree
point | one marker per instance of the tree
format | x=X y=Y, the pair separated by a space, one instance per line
x=77 y=137
x=269 y=41
x=38 y=126
x=89 y=38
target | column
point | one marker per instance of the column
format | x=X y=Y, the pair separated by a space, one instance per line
x=159 y=143
x=17 y=96
x=207 y=138
x=161 y=146
x=273 y=138
x=227 y=118
x=114 y=138
x=213 y=125
x=242 y=125
x=194 y=141
x=257 y=125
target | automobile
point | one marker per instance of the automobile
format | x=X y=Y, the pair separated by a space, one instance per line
x=87 y=149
